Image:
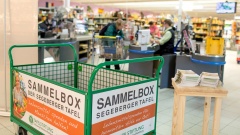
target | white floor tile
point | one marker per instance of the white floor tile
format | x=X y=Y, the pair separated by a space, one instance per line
x=235 y=123
x=5 y=121
x=187 y=133
x=11 y=129
x=228 y=130
x=196 y=130
x=164 y=118
x=5 y=131
x=186 y=126
x=1 y=126
x=164 y=130
x=193 y=119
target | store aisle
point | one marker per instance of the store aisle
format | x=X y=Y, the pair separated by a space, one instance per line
x=230 y=120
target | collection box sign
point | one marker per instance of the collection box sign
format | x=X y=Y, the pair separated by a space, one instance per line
x=125 y=111
x=49 y=108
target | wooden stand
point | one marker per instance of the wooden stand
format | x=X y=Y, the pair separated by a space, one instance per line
x=180 y=94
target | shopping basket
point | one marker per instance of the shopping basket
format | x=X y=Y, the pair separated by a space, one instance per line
x=80 y=99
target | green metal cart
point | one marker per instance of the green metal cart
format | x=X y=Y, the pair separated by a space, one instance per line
x=73 y=98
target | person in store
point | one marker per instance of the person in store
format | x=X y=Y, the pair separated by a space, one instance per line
x=42 y=27
x=154 y=30
x=115 y=29
x=50 y=22
x=166 y=42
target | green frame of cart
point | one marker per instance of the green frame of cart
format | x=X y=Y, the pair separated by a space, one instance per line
x=91 y=87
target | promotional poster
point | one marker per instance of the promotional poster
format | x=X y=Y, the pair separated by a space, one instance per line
x=51 y=109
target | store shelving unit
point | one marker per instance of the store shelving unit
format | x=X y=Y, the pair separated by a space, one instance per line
x=204 y=27
x=46 y=10
x=200 y=27
x=216 y=27
x=237 y=32
x=228 y=32
x=97 y=23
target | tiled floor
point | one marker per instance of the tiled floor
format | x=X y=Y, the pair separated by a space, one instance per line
x=230 y=120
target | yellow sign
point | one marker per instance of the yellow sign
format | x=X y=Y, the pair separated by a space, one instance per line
x=100 y=10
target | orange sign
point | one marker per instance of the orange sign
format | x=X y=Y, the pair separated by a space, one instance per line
x=46 y=107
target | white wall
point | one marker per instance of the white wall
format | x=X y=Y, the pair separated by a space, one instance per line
x=21 y=28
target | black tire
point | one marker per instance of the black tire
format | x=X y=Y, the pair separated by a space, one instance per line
x=22 y=131
x=238 y=62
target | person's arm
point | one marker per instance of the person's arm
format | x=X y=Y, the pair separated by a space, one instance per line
x=166 y=37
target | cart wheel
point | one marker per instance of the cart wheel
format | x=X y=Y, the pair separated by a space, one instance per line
x=238 y=62
x=22 y=131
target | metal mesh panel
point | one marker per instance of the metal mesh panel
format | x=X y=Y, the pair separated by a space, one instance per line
x=60 y=72
x=64 y=73
x=105 y=78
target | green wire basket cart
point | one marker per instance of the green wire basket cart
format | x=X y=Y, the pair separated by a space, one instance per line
x=73 y=98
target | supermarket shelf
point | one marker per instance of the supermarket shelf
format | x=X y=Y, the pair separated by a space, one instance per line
x=199 y=22
x=91 y=24
x=217 y=24
x=84 y=46
x=201 y=28
x=83 y=52
x=101 y=23
x=78 y=9
x=105 y=17
x=46 y=8
x=139 y=20
x=201 y=33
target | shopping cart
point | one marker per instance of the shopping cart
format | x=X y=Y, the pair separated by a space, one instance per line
x=238 y=54
x=109 y=47
x=73 y=98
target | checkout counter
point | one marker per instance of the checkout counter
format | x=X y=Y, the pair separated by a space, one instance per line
x=196 y=62
x=201 y=63
x=146 y=68
x=209 y=57
x=62 y=53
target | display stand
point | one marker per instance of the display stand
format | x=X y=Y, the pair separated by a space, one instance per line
x=180 y=94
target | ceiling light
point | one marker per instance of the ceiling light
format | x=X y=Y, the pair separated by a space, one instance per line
x=189 y=7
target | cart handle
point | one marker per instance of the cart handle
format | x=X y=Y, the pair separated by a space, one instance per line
x=109 y=37
x=101 y=65
x=40 y=45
